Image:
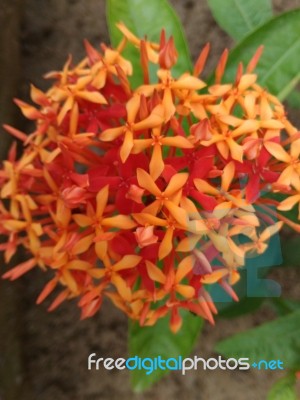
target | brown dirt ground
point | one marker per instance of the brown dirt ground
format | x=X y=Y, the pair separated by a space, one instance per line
x=54 y=347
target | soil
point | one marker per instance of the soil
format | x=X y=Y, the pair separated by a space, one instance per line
x=51 y=350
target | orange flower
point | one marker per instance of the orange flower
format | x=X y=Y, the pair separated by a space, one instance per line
x=158 y=140
x=96 y=219
x=140 y=194
x=128 y=130
x=169 y=198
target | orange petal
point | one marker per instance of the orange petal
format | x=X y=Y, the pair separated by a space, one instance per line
x=271 y=124
x=177 y=141
x=236 y=150
x=215 y=276
x=93 y=97
x=127 y=262
x=155 y=273
x=126 y=32
x=188 y=82
x=166 y=245
x=119 y=221
x=122 y=287
x=28 y=111
x=110 y=134
x=185 y=291
x=69 y=280
x=101 y=249
x=277 y=151
x=169 y=107
x=144 y=218
x=20 y=270
x=13 y=225
x=288 y=203
x=78 y=265
x=266 y=112
x=178 y=213
x=50 y=286
x=59 y=299
x=146 y=182
x=65 y=108
x=223 y=148
x=96 y=273
x=140 y=145
x=246 y=81
x=234 y=277
x=270 y=231
x=156 y=165
x=101 y=200
x=126 y=146
x=82 y=220
x=132 y=108
x=15 y=132
x=204 y=187
x=176 y=183
x=153 y=208
x=154 y=119
x=227 y=176
x=248 y=126
x=184 y=268
x=38 y=96
x=188 y=244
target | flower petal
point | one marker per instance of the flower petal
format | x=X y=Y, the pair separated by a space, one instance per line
x=156 y=165
x=166 y=245
x=146 y=182
x=176 y=183
x=119 y=221
x=155 y=273
x=184 y=268
x=127 y=262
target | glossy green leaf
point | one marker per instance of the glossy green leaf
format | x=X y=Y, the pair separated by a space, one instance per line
x=284 y=389
x=279 y=66
x=276 y=340
x=147 y=18
x=158 y=340
x=243 y=17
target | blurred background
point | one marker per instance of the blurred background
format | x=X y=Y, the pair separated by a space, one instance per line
x=44 y=356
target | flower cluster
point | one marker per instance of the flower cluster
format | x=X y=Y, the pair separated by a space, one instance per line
x=141 y=195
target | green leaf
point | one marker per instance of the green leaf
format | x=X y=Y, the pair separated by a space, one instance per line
x=291 y=252
x=147 y=18
x=284 y=389
x=276 y=340
x=293 y=99
x=285 y=306
x=158 y=340
x=243 y=17
x=279 y=66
